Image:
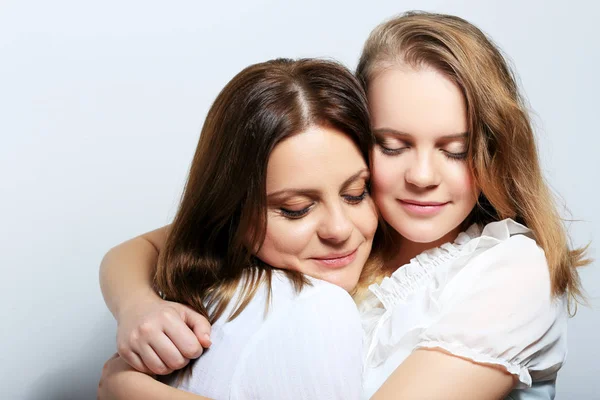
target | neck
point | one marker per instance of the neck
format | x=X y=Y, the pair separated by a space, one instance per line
x=405 y=250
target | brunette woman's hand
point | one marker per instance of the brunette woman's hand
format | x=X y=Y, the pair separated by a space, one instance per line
x=158 y=336
x=120 y=381
x=117 y=380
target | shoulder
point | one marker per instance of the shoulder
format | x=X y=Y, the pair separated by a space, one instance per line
x=327 y=296
x=508 y=256
x=316 y=305
x=322 y=313
x=310 y=348
x=518 y=248
x=323 y=304
x=506 y=276
x=519 y=255
x=334 y=295
x=503 y=241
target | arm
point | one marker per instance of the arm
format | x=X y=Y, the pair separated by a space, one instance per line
x=126 y=270
x=432 y=374
x=120 y=382
x=153 y=335
x=449 y=382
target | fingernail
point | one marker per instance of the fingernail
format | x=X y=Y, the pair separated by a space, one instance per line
x=207 y=337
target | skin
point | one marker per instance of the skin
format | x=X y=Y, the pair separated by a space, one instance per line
x=419 y=119
x=319 y=209
x=120 y=381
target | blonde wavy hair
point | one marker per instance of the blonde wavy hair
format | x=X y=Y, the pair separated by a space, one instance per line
x=502 y=151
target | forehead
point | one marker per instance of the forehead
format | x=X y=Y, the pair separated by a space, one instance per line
x=312 y=159
x=418 y=101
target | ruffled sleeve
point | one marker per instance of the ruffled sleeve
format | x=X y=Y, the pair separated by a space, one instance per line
x=498 y=309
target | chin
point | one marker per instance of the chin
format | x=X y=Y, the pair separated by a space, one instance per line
x=348 y=283
x=348 y=280
x=349 y=286
x=420 y=237
x=420 y=231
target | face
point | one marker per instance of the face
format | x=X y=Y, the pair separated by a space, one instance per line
x=321 y=219
x=421 y=181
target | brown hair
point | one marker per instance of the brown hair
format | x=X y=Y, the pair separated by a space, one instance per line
x=502 y=151
x=222 y=214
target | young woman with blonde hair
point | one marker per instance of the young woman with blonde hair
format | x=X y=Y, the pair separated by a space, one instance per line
x=472 y=296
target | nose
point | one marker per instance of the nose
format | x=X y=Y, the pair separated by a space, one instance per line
x=336 y=227
x=422 y=172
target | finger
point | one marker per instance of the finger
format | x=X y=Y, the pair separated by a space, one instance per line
x=168 y=352
x=199 y=325
x=204 y=339
x=153 y=361
x=183 y=338
x=135 y=361
x=131 y=356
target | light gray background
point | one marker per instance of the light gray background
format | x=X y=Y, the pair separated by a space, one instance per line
x=101 y=104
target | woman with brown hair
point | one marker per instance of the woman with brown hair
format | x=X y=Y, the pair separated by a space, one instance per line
x=472 y=297
x=262 y=248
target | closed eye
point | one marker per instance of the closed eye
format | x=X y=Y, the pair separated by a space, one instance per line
x=357 y=199
x=295 y=214
x=391 y=145
x=392 y=152
x=455 y=156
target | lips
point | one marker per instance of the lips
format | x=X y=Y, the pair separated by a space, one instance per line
x=424 y=203
x=423 y=208
x=337 y=260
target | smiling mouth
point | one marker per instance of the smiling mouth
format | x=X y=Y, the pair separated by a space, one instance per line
x=337 y=260
x=423 y=208
x=425 y=203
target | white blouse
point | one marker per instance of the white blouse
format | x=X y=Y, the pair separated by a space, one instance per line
x=485 y=297
x=306 y=346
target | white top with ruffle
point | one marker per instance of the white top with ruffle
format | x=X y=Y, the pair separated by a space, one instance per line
x=485 y=297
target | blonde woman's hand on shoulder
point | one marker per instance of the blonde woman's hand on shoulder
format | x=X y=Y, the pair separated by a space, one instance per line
x=153 y=335
x=160 y=336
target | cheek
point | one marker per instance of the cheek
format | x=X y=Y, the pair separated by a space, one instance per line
x=461 y=186
x=385 y=175
x=367 y=219
x=285 y=242
x=364 y=218
x=460 y=181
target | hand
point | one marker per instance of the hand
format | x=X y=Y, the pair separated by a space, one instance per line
x=118 y=379
x=159 y=336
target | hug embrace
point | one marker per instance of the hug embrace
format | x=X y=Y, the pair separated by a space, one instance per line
x=386 y=234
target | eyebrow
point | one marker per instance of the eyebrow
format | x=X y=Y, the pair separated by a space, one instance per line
x=400 y=133
x=312 y=192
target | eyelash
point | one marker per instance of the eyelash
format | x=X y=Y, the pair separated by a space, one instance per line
x=456 y=156
x=293 y=214
x=394 y=152
x=359 y=198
